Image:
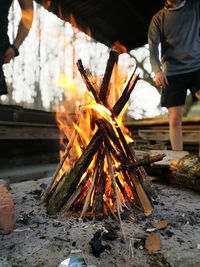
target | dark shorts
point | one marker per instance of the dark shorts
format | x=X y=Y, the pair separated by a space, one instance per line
x=174 y=93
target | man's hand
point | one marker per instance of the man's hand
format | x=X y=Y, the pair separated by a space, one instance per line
x=160 y=79
x=23 y=29
x=25 y=22
x=9 y=54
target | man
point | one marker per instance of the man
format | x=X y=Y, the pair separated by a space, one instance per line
x=7 y=50
x=177 y=28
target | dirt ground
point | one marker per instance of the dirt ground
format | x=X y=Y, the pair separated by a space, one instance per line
x=42 y=240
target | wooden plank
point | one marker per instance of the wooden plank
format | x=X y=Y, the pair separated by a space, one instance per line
x=160 y=121
x=24 y=131
x=190 y=136
x=20 y=114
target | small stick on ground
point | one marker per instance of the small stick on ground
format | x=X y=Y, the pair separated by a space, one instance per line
x=130 y=250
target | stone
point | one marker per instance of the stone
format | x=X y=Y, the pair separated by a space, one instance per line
x=4 y=183
x=7 y=213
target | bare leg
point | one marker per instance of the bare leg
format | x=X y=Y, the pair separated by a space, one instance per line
x=175 y=127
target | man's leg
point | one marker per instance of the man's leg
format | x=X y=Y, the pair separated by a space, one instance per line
x=175 y=127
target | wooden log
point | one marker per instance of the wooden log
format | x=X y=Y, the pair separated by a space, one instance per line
x=114 y=184
x=75 y=195
x=116 y=112
x=103 y=94
x=100 y=185
x=120 y=157
x=131 y=154
x=91 y=85
x=106 y=134
x=128 y=201
x=142 y=174
x=55 y=179
x=188 y=172
x=143 y=197
x=89 y=193
x=141 y=192
x=147 y=160
x=68 y=185
x=87 y=81
x=121 y=102
x=98 y=198
x=94 y=181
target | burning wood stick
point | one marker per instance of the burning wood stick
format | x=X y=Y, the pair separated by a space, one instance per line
x=67 y=193
x=88 y=197
x=120 y=157
x=100 y=186
x=147 y=160
x=97 y=168
x=91 y=85
x=128 y=201
x=112 y=175
x=119 y=105
x=68 y=185
x=98 y=197
x=113 y=58
x=142 y=196
x=142 y=173
x=87 y=81
x=144 y=199
x=110 y=209
x=54 y=181
x=75 y=195
x=114 y=184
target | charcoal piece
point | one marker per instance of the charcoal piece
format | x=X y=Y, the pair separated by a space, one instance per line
x=96 y=245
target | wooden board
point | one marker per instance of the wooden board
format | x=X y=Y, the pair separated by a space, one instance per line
x=24 y=131
x=189 y=136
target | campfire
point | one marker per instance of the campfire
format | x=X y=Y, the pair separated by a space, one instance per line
x=105 y=177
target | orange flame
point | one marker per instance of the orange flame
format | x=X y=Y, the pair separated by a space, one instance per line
x=78 y=133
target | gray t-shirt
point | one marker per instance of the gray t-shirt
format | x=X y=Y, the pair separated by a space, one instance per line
x=178 y=32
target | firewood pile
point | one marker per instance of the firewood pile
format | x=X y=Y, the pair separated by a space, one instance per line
x=107 y=177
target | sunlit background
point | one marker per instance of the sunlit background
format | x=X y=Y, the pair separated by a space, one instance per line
x=45 y=75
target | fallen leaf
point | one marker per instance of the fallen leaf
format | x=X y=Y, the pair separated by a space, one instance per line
x=34 y=225
x=160 y=224
x=140 y=235
x=152 y=243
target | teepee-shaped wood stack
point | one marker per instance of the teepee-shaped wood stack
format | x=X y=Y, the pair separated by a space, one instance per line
x=98 y=182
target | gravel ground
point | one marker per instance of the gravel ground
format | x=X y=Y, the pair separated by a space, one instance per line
x=42 y=240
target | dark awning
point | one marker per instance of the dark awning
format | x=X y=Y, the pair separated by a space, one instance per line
x=108 y=21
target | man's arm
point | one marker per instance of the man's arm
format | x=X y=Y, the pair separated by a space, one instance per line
x=154 y=40
x=23 y=28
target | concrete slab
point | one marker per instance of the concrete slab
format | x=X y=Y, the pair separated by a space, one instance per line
x=28 y=172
